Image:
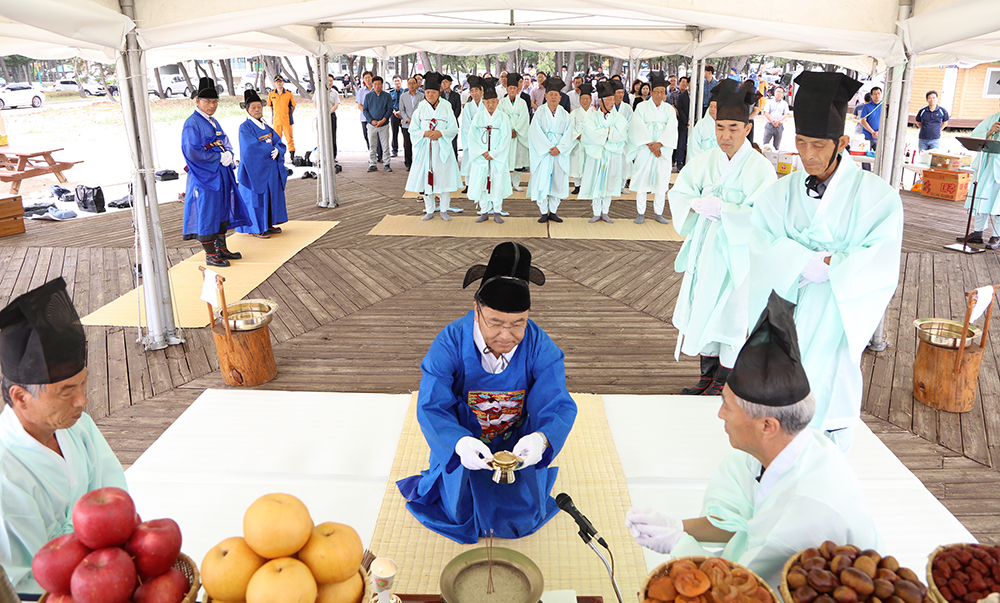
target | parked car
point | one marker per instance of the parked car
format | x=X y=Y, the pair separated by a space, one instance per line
x=20 y=95
x=89 y=88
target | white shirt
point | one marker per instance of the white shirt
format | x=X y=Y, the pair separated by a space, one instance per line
x=205 y=115
x=782 y=462
x=491 y=364
x=260 y=124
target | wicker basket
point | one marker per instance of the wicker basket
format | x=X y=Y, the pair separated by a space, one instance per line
x=664 y=568
x=932 y=590
x=190 y=571
x=365 y=598
x=786 y=594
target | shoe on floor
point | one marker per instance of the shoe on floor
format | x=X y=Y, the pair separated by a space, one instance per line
x=455 y=210
x=395 y=154
x=465 y=190
x=372 y=168
x=482 y=218
x=554 y=218
x=974 y=237
x=387 y=168
x=445 y=216
x=994 y=243
x=380 y=161
x=407 y=168
x=576 y=191
x=497 y=219
x=640 y=218
x=216 y=260
x=504 y=213
x=607 y=218
x=275 y=230
x=543 y=219
x=426 y=217
x=660 y=219
x=594 y=219
x=262 y=235
x=518 y=189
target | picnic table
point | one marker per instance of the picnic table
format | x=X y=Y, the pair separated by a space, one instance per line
x=19 y=164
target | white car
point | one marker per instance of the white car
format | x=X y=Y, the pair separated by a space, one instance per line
x=89 y=88
x=20 y=95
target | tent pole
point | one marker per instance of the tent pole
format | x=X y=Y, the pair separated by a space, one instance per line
x=154 y=326
x=903 y=118
x=327 y=178
x=693 y=107
x=697 y=80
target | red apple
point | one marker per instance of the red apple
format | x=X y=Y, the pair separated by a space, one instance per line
x=54 y=563
x=165 y=588
x=154 y=546
x=104 y=576
x=104 y=517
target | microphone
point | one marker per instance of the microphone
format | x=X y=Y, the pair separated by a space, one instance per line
x=587 y=529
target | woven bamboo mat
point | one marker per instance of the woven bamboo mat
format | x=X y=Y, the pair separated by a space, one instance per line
x=460 y=226
x=261 y=257
x=622 y=229
x=589 y=471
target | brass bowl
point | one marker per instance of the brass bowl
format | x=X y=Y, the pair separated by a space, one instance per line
x=944 y=333
x=250 y=314
x=477 y=560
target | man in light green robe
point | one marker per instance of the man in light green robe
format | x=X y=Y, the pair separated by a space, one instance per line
x=577 y=158
x=469 y=111
x=550 y=139
x=785 y=487
x=434 y=168
x=604 y=135
x=487 y=147
x=702 y=137
x=517 y=111
x=711 y=206
x=51 y=453
x=652 y=138
x=828 y=238
x=988 y=189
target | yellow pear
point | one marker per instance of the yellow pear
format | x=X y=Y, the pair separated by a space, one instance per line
x=227 y=569
x=277 y=525
x=333 y=552
x=283 y=580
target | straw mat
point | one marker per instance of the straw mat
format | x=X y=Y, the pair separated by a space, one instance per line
x=589 y=471
x=622 y=229
x=520 y=195
x=261 y=257
x=460 y=226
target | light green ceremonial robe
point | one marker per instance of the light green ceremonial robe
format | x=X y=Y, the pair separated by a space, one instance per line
x=517 y=112
x=576 y=155
x=497 y=142
x=550 y=175
x=38 y=488
x=469 y=112
x=712 y=303
x=650 y=123
x=437 y=155
x=702 y=137
x=859 y=220
x=988 y=190
x=603 y=139
x=808 y=494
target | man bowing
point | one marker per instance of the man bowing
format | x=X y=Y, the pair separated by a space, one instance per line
x=492 y=381
x=262 y=174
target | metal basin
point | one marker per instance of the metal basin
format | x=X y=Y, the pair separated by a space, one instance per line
x=516 y=577
x=250 y=314
x=944 y=333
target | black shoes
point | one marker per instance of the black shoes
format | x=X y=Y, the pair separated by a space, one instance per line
x=223 y=252
x=994 y=243
x=387 y=168
x=576 y=191
x=465 y=190
x=974 y=237
x=715 y=389
x=214 y=259
x=372 y=168
x=544 y=218
x=554 y=218
x=709 y=367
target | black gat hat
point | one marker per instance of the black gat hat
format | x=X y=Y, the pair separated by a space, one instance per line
x=505 y=279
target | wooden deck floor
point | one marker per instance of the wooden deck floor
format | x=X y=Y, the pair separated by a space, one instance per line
x=359 y=312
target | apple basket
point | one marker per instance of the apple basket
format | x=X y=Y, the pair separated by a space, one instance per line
x=664 y=569
x=365 y=598
x=190 y=571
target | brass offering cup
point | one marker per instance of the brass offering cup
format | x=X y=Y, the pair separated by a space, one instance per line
x=504 y=464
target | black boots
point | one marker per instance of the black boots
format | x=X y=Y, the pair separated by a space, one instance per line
x=223 y=251
x=709 y=367
x=715 y=389
x=212 y=257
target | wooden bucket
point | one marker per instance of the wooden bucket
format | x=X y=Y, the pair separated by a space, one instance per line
x=935 y=382
x=245 y=357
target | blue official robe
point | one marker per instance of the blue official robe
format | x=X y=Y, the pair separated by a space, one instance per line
x=457 y=396
x=211 y=200
x=262 y=179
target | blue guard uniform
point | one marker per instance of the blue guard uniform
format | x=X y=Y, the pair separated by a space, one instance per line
x=459 y=398
x=262 y=175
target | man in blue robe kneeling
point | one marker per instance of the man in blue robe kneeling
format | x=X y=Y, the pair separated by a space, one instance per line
x=262 y=174
x=492 y=380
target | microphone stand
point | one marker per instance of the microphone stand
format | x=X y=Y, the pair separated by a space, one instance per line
x=984 y=147
x=589 y=540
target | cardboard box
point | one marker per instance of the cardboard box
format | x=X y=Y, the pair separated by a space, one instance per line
x=787 y=163
x=943 y=161
x=945 y=184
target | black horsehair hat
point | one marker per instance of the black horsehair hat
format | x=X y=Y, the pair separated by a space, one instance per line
x=41 y=338
x=489 y=86
x=586 y=89
x=821 y=103
x=605 y=89
x=512 y=79
x=735 y=100
x=504 y=285
x=769 y=370
x=474 y=81
x=432 y=81
x=250 y=96
x=553 y=84
x=206 y=89
x=657 y=80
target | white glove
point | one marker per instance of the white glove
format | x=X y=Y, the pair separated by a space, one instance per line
x=531 y=447
x=226 y=159
x=816 y=270
x=474 y=453
x=654 y=531
x=710 y=207
x=274 y=153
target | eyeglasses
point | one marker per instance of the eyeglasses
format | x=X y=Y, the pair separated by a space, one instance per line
x=498 y=326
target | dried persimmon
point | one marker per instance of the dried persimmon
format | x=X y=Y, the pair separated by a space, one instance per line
x=717 y=570
x=682 y=565
x=661 y=588
x=692 y=583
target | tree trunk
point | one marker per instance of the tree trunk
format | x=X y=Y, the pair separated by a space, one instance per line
x=159 y=85
x=187 y=78
x=404 y=67
x=294 y=77
x=572 y=63
x=440 y=65
x=200 y=70
x=616 y=67
x=350 y=66
x=227 y=73
x=486 y=60
x=3 y=68
x=362 y=66
x=312 y=75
